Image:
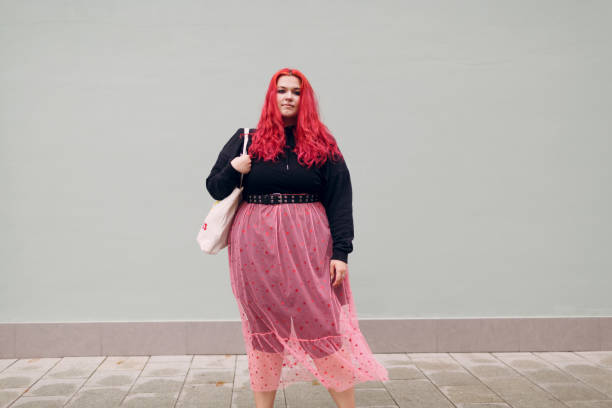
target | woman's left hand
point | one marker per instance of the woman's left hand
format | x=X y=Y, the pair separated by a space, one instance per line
x=340 y=268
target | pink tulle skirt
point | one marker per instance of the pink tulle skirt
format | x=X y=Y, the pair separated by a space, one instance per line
x=296 y=325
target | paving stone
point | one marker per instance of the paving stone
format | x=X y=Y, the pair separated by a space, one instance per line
x=600 y=383
x=602 y=358
x=165 y=369
x=53 y=387
x=111 y=378
x=10 y=395
x=158 y=385
x=393 y=359
x=17 y=380
x=205 y=396
x=98 y=397
x=124 y=363
x=554 y=356
x=370 y=384
x=6 y=362
x=574 y=392
x=470 y=394
x=32 y=365
x=74 y=367
x=549 y=376
x=434 y=364
x=590 y=404
x=373 y=397
x=492 y=371
x=453 y=378
x=214 y=361
x=417 y=394
x=40 y=402
x=484 y=405
x=307 y=395
x=409 y=372
x=171 y=358
x=149 y=400
x=425 y=356
x=210 y=376
x=581 y=370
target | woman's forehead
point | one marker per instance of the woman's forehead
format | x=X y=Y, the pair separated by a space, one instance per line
x=288 y=81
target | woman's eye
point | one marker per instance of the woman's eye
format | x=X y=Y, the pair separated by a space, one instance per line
x=297 y=92
x=281 y=91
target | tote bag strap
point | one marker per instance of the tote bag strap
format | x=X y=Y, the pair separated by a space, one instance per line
x=244 y=149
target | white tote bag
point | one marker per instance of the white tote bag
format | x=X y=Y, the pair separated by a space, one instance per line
x=213 y=234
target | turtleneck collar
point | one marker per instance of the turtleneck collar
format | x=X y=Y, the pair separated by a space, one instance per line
x=289 y=135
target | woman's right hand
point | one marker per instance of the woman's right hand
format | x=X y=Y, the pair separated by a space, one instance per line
x=242 y=163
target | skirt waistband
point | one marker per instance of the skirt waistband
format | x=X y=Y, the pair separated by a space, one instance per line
x=282 y=198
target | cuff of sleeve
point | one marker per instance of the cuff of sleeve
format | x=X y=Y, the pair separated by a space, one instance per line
x=340 y=255
x=231 y=173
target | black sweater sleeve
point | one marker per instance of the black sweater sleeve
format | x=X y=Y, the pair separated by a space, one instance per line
x=223 y=176
x=338 y=201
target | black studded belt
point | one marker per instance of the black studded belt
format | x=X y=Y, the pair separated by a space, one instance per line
x=282 y=198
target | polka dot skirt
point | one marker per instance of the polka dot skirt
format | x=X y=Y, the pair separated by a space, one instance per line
x=296 y=325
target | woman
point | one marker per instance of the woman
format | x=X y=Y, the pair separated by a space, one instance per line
x=288 y=248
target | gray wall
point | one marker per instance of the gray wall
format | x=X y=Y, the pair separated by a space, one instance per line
x=477 y=134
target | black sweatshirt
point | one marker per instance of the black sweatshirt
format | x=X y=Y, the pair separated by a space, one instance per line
x=331 y=181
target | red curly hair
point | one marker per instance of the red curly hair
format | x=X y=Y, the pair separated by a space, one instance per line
x=313 y=141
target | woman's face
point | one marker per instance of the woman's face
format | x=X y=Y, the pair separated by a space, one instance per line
x=288 y=96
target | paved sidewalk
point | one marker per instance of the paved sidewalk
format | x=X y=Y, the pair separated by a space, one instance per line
x=417 y=380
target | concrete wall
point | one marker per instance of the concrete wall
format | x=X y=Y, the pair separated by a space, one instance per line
x=477 y=133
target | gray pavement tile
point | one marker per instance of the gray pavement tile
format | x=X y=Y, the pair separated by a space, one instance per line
x=307 y=395
x=370 y=384
x=124 y=363
x=581 y=370
x=205 y=396
x=98 y=397
x=53 y=388
x=214 y=361
x=75 y=367
x=548 y=376
x=32 y=365
x=417 y=394
x=492 y=370
x=373 y=397
x=163 y=385
x=149 y=400
x=590 y=404
x=600 y=383
x=574 y=392
x=111 y=378
x=441 y=378
x=171 y=358
x=433 y=364
x=602 y=358
x=17 y=380
x=10 y=395
x=210 y=376
x=6 y=362
x=165 y=369
x=40 y=402
x=470 y=394
x=408 y=372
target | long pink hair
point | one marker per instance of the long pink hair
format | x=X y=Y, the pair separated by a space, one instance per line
x=313 y=141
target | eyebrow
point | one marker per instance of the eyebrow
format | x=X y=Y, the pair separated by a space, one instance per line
x=297 y=87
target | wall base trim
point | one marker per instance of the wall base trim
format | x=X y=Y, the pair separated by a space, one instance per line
x=23 y=340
